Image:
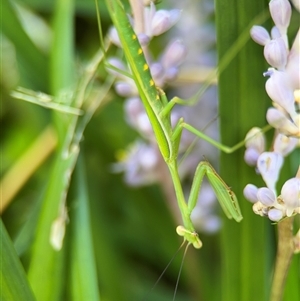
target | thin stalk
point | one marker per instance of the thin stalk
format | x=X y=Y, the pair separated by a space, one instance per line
x=285 y=251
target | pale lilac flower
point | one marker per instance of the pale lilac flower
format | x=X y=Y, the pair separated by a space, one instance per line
x=255 y=145
x=114 y=37
x=143 y=16
x=166 y=69
x=284 y=117
x=140 y=165
x=150 y=22
x=251 y=156
x=250 y=193
x=269 y=165
x=125 y=89
x=282 y=122
x=276 y=53
x=293 y=64
x=281 y=12
x=163 y=20
x=136 y=116
x=275 y=33
x=290 y=193
x=266 y=196
x=284 y=81
x=255 y=139
x=174 y=54
x=280 y=91
x=143 y=39
x=275 y=215
x=260 y=35
x=276 y=208
x=284 y=145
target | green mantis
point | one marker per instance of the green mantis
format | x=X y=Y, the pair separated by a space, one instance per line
x=158 y=109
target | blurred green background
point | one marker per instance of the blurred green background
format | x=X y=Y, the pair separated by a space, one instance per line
x=119 y=239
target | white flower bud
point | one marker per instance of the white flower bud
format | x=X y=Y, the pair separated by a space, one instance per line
x=280 y=91
x=148 y=158
x=275 y=33
x=266 y=196
x=251 y=155
x=114 y=37
x=125 y=89
x=285 y=145
x=143 y=39
x=157 y=72
x=145 y=24
x=250 y=193
x=290 y=194
x=281 y=12
x=174 y=54
x=133 y=108
x=260 y=35
x=279 y=121
x=137 y=171
x=156 y=69
x=276 y=53
x=174 y=16
x=293 y=64
x=163 y=20
x=255 y=139
x=275 y=215
x=171 y=73
x=269 y=165
x=144 y=125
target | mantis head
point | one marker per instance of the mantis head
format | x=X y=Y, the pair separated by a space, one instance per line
x=191 y=236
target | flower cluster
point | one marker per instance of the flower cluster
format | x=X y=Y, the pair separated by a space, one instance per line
x=283 y=88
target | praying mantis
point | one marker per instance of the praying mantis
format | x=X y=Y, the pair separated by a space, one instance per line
x=158 y=109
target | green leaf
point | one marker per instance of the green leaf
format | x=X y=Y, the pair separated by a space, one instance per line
x=47 y=267
x=84 y=281
x=46 y=270
x=32 y=62
x=243 y=104
x=14 y=284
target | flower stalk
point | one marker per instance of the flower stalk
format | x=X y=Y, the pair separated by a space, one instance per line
x=285 y=251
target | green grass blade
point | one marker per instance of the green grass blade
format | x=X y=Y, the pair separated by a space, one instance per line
x=84 y=283
x=46 y=270
x=25 y=236
x=32 y=62
x=243 y=104
x=62 y=54
x=47 y=267
x=14 y=284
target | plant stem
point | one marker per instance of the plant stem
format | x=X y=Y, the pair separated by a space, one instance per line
x=285 y=251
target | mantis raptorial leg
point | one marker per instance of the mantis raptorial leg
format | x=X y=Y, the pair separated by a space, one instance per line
x=158 y=109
